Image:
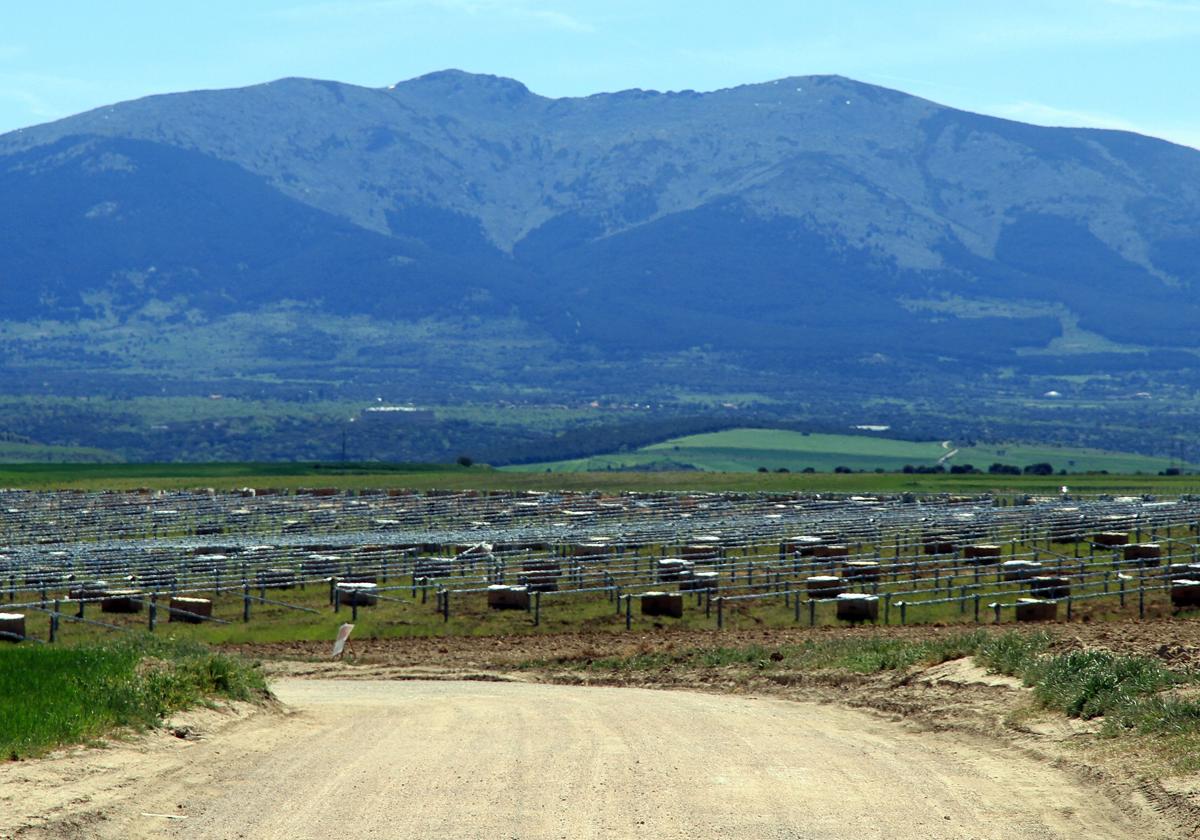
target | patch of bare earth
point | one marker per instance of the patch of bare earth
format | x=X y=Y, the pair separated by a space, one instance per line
x=101 y=790
x=418 y=758
x=957 y=696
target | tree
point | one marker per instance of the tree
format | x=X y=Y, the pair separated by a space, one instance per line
x=464 y=461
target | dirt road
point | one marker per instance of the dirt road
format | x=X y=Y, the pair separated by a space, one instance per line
x=367 y=759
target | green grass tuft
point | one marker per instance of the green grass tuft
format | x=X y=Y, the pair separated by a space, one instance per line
x=52 y=696
x=1012 y=653
x=1095 y=683
x=858 y=655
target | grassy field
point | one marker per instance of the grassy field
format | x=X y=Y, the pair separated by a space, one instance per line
x=745 y=450
x=56 y=695
x=32 y=452
x=451 y=477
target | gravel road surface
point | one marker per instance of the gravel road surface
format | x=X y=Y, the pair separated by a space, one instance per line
x=513 y=760
x=474 y=759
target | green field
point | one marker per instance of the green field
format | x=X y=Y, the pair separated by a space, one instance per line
x=36 y=453
x=449 y=477
x=746 y=450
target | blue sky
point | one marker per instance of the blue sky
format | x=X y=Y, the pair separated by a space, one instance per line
x=1132 y=64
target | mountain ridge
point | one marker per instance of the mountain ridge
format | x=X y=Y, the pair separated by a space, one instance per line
x=803 y=234
x=206 y=126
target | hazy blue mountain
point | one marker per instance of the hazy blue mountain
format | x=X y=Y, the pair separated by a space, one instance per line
x=770 y=224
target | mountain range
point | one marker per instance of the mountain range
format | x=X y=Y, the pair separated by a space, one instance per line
x=459 y=226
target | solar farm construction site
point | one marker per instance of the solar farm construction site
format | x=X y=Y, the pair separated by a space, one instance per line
x=80 y=562
x=840 y=666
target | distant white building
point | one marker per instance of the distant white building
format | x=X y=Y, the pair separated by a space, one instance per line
x=397 y=414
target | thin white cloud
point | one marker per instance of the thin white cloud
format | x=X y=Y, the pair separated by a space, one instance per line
x=34 y=105
x=1098 y=23
x=553 y=18
x=540 y=14
x=1118 y=28
x=1042 y=114
x=45 y=96
x=1186 y=6
x=1038 y=112
x=10 y=52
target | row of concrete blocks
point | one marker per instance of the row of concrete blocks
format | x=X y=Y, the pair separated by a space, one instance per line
x=133 y=601
x=189 y=610
x=981 y=554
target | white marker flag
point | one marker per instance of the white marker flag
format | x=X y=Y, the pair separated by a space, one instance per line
x=343 y=636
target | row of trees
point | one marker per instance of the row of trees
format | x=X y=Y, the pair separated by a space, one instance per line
x=1041 y=468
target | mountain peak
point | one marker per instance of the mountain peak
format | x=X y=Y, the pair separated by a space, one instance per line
x=461 y=86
